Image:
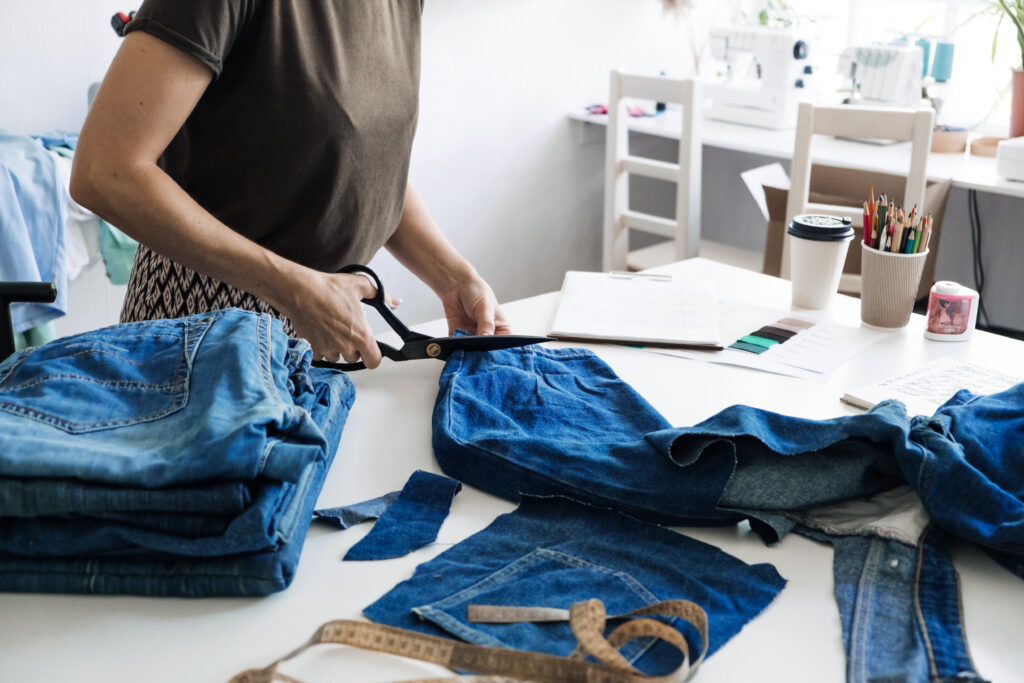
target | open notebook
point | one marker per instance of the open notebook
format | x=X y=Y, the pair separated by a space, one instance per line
x=926 y=388
x=637 y=308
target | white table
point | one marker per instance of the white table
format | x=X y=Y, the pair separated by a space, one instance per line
x=968 y=171
x=798 y=638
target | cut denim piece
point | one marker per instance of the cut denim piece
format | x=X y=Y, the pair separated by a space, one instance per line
x=550 y=422
x=275 y=424
x=544 y=421
x=349 y=515
x=552 y=552
x=411 y=522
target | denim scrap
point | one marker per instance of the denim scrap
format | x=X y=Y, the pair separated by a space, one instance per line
x=412 y=521
x=349 y=515
x=552 y=552
x=539 y=421
x=233 y=431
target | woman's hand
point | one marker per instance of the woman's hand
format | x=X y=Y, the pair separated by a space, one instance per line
x=326 y=310
x=471 y=305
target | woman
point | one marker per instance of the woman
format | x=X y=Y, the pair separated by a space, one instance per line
x=253 y=147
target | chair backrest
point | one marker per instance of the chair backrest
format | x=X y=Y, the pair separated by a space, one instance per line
x=685 y=173
x=867 y=123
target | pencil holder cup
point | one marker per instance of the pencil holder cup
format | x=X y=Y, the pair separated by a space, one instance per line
x=888 y=286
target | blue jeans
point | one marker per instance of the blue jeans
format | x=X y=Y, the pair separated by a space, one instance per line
x=184 y=457
x=539 y=421
x=552 y=552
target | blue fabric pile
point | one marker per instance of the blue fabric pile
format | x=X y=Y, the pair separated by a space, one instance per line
x=883 y=488
x=172 y=457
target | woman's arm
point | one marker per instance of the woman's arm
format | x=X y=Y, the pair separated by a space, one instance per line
x=418 y=244
x=148 y=93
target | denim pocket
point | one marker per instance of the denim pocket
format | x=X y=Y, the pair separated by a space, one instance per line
x=542 y=578
x=115 y=377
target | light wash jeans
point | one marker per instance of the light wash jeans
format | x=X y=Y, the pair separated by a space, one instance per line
x=166 y=457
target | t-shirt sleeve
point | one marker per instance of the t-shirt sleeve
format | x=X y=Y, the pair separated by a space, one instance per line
x=205 y=29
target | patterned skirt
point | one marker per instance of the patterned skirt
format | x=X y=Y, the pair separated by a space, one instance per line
x=160 y=288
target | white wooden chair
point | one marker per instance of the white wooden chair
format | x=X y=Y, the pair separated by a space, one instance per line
x=684 y=230
x=867 y=123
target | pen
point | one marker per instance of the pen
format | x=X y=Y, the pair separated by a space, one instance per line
x=867 y=224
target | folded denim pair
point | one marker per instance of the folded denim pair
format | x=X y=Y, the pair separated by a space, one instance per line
x=175 y=457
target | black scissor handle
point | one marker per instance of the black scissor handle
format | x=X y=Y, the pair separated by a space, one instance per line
x=378 y=302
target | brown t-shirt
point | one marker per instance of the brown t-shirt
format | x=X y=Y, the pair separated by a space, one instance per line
x=302 y=140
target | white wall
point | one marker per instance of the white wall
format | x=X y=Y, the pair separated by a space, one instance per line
x=495 y=156
x=50 y=51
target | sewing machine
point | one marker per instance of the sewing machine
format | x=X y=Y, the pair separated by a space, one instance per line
x=883 y=75
x=765 y=74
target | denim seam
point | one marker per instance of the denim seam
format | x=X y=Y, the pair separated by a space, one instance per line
x=89 y=573
x=287 y=520
x=263 y=344
x=922 y=624
x=860 y=630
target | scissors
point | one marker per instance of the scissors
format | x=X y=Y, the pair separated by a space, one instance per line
x=415 y=345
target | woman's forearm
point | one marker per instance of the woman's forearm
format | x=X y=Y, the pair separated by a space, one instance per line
x=419 y=245
x=151 y=207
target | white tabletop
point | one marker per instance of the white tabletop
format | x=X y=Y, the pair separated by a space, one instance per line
x=966 y=170
x=387 y=437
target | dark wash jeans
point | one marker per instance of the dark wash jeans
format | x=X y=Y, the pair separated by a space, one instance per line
x=175 y=457
x=538 y=421
x=552 y=552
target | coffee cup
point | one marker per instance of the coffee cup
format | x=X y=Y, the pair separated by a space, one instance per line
x=817 y=252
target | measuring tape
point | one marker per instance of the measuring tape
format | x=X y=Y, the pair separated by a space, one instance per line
x=586 y=619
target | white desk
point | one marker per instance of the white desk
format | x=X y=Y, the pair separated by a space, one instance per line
x=966 y=170
x=798 y=638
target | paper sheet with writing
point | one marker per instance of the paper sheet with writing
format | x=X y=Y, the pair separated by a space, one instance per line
x=924 y=389
x=636 y=309
x=815 y=353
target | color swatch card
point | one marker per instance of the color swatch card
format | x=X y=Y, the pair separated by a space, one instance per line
x=785 y=343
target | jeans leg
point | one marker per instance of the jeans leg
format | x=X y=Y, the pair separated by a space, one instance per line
x=900 y=610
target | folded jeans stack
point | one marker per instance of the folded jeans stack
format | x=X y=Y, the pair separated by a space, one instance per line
x=171 y=457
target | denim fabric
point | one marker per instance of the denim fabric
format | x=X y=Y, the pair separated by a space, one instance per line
x=33 y=497
x=115 y=405
x=907 y=598
x=552 y=552
x=349 y=515
x=209 y=531
x=550 y=422
x=257 y=573
x=411 y=522
x=560 y=422
x=967 y=464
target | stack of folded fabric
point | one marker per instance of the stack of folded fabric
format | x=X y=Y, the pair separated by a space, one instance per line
x=172 y=457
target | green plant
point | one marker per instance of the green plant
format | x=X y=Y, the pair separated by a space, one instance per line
x=1014 y=10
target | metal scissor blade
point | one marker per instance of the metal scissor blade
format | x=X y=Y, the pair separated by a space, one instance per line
x=442 y=347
